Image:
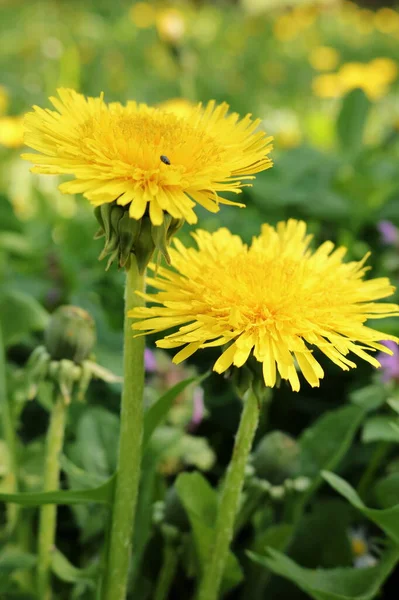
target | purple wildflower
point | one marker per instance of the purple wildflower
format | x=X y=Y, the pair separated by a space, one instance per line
x=150 y=362
x=389 y=364
x=389 y=233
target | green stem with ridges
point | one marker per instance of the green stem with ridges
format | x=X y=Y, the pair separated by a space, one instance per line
x=230 y=499
x=48 y=512
x=129 y=461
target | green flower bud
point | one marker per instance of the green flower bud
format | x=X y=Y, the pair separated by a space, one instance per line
x=125 y=236
x=175 y=513
x=70 y=334
x=276 y=457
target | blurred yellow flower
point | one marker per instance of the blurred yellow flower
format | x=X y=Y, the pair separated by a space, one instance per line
x=3 y=100
x=285 y=28
x=386 y=20
x=144 y=157
x=276 y=300
x=143 y=15
x=171 y=25
x=327 y=85
x=12 y=132
x=374 y=78
x=324 y=58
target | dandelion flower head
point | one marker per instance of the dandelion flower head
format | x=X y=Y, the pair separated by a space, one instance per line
x=148 y=159
x=276 y=301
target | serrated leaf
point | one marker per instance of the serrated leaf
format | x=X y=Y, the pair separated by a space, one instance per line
x=352 y=120
x=387 y=519
x=331 y=584
x=381 y=428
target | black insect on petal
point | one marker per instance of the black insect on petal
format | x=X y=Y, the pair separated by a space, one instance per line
x=165 y=159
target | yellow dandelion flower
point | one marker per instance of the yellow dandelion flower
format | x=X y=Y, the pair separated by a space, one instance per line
x=324 y=58
x=276 y=300
x=11 y=132
x=146 y=157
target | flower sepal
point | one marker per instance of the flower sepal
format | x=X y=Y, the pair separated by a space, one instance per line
x=125 y=236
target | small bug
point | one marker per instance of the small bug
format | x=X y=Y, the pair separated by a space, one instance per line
x=165 y=159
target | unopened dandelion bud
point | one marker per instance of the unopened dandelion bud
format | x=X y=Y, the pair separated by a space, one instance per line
x=276 y=457
x=175 y=514
x=70 y=334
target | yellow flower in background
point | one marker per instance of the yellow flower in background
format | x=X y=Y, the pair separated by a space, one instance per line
x=12 y=132
x=276 y=300
x=3 y=100
x=143 y=15
x=324 y=58
x=171 y=25
x=386 y=20
x=327 y=85
x=144 y=157
x=374 y=78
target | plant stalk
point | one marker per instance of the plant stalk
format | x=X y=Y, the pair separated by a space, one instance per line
x=129 y=461
x=169 y=564
x=48 y=512
x=9 y=437
x=230 y=499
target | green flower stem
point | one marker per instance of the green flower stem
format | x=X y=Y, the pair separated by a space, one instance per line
x=48 y=513
x=169 y=564
x=127 y=483
x=229 y=502
x=9 y=436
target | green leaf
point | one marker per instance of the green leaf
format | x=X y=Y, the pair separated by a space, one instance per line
x=12 y=560
x=102 y=494
x=394 y=404
x=20 y=314
x=200 y=501
x=387 y=519
x=352 y=120
x=387 y=490
x=158 y=411
x=369 y=397
x=381 y=428
x=66 y=571
x=332 y=584
x=96 y=446
x=325 y=443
